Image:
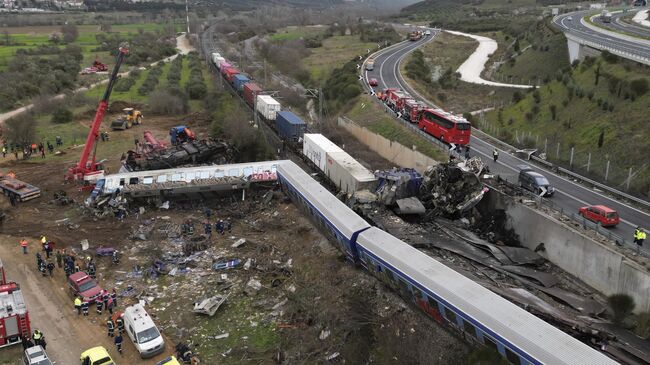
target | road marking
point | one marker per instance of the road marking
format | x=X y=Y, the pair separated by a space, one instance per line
x=396 y=71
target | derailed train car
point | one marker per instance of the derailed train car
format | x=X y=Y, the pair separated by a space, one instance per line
x=450 y=298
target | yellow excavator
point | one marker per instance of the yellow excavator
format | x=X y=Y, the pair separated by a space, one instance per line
x=130 y=118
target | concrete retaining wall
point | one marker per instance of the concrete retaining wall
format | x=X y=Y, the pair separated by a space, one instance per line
x=392 y=151
x=593 y=262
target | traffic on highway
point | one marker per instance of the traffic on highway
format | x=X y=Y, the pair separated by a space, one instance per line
x=570 y=196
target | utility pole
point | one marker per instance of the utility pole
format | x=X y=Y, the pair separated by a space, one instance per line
x=320 y=106
x=187 y=17
x=266 y=82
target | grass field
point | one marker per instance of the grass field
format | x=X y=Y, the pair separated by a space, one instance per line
x=335 y=52
x=293 y=33
x=450 y=51
x=580 y=119
x=32 y=37
x=367 y=113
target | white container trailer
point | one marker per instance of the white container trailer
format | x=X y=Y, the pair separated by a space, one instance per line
x=316 y=147
x=267 y=106
x=347 y=173
x=214 y=56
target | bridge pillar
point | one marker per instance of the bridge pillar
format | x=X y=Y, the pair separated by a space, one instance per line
x=575 y=50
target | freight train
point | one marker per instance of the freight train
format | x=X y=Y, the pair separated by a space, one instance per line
x=451 y=299
x=288 y=125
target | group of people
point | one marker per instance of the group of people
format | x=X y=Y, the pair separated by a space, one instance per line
x=111 y=325
x=105 y=301
x=29 y=149
x=37 y=339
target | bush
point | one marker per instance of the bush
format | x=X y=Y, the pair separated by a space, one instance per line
x=124 y=84
x=168 y=102
x=621 y=305
x=517 y=96
x=639 y=86
x=62 y=115
x=536 y=96
x=151 y=81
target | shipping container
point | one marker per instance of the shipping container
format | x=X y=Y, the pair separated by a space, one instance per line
x=251 y=90
x=347 y=174
x=315 y=147
x=219 y=61
x=214 y=56
x=290 y=127
x=238 y=81
x=267 y=106
x=230 y=73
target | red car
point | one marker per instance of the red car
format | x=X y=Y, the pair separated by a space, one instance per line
x=606 y=217
x=83 y=285
x=373 y=82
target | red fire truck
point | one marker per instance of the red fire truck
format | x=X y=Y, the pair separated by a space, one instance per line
x=395 y=98
x=445 y=126
x=411 y=110
x=14 y=317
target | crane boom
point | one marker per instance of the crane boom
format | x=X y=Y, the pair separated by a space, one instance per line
x=85 y=167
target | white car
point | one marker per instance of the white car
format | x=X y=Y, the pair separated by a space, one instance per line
x=143 y=331
x=570 y=18
x=36 y=356
x=428 y=32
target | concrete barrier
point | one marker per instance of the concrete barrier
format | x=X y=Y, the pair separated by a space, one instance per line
x=593 y=262
x=392 y=151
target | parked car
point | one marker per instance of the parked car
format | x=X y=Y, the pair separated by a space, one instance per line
x=96 y=356
x=83 y=285
x=535 y=182
x=428 y=32
x=605 y=216
x=373 y=82
x=36 y=356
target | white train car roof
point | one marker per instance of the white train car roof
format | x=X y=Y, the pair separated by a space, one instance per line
x=523 y=330
x=346 y=221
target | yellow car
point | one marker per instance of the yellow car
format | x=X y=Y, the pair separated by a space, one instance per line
x=169 y=361
x=96 y=356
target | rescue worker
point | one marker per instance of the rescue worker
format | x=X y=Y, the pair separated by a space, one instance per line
x=120 y=324
x=99 y=304
x=59 y=259
x=229 y=225
x=207 y=226
x=111 y=327
x=92 y=270
x=37 y=336
x=47 y=247
x=42 y=268
x=105 y=298
x=467 y=152
x=114 y=298
x=77 y=305
x=115 y=257
x=495 y=154
x=43 y=240
x=39 y=259
x=639 y=237
x=23 y=245
x=84 y=307
x=50 y=268
x=4 y=151
x=59 y=140
x=118 y=342
x=109 y=305
x=219 y=226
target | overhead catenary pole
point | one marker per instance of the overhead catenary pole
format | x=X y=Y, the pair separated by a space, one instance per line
x=187 y=16
x=320 y=107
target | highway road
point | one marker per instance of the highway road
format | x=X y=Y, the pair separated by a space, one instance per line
x=571 y=23
x=569 y=195
x=617 y=24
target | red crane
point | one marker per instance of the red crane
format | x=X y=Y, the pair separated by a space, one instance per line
x=85 y=168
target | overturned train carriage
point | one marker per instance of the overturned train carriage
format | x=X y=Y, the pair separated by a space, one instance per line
x=480 y=315
x=194 y=152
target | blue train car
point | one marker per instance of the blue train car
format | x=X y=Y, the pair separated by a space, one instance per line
x=289 y=126
x=238 y=81
x=335 y=219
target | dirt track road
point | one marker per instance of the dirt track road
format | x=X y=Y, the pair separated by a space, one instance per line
x=51 y=310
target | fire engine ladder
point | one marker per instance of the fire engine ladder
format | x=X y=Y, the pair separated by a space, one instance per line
x=24 y=324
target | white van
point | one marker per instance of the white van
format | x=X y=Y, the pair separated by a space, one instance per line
x=142 y=331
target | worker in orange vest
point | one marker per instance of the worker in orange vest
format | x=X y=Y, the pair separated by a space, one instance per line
x=23 y=244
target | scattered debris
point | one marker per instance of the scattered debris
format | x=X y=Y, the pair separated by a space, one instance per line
x=238 y=243
x=449 y=190
x=226 y=265
x=210 y=305
x=223 y=335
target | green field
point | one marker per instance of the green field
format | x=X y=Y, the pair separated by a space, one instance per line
x=367 y=113
x=294 y=33
x=32 y=37
x=335 y=52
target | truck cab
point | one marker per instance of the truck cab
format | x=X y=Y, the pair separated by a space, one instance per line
x=96 y=356
x=83 y=285
x=143 y=331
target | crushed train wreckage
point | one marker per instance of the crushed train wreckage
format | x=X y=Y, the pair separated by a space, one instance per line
x=147 y=157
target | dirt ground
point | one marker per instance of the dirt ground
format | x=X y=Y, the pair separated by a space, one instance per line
x=311 y=304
